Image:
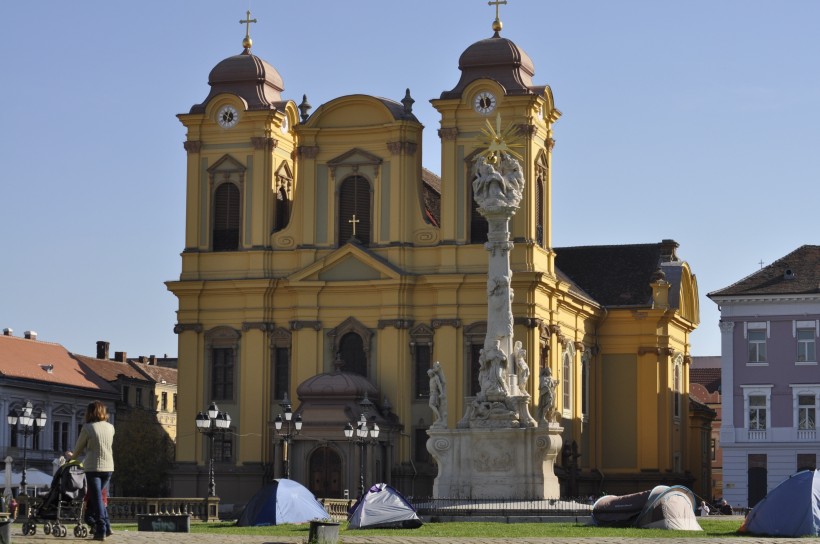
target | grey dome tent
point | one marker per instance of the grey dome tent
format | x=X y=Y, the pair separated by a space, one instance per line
x=790 y=509
x=663 y=507
x=383 y=507
x=283 y=501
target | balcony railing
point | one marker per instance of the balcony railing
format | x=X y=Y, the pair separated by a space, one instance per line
x=808 y=435
x=757 y=435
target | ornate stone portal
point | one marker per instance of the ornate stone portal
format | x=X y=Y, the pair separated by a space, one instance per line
x=498 y=450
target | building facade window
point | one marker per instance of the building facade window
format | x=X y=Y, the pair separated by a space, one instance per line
x=806 y=402
x=567 y=381
x=226 y=217
x=354 y=210
x=139 y=397
x=223 y=448
x=677 y=386
x=757 y=405
x=164 y=402
x=806 y=411
x=125 y=393
x=59 y=436
x=421 y=352
x=806 y=461
x=806 y=347
x=175 y=402
x=757 y=413
x=757 y=346
x=222 y=372
x=585 y=362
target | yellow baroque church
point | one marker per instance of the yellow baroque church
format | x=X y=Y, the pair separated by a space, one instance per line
x=324 y=267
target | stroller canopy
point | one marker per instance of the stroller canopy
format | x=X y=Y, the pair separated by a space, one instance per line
x=663 y=507
x=382 y=506
x=790 y=509
x=283 y=501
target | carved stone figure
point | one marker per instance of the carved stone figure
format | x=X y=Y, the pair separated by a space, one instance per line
x=497 y=186
x=546 y=390
x=438 y=395
x=522 y=369
x=494 y=364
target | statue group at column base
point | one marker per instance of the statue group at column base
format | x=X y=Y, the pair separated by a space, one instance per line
x=497 y=412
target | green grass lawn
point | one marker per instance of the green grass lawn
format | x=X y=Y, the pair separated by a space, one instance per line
x=715 y=527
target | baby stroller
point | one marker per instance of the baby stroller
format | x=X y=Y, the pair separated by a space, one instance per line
x=62 y=502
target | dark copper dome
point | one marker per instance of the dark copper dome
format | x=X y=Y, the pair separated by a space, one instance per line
x=498 y=59
x=247 y=76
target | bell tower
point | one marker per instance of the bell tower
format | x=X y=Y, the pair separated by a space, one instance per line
x=496 y=80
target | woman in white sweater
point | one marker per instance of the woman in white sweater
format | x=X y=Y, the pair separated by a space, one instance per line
x=95 y=440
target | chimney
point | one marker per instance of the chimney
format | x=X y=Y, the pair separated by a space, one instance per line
x=8 y=332
x=102 y=349
x=668 y=248
x=30 y=335
x=143 y=359
x=119 y=356
x=152 y=359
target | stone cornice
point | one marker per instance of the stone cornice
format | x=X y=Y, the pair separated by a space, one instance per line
x=264 y=143
x=438 y=323
x=296 y=325
x=179 y=328
x=450 y=133
x=655 y=350
x=397 y=323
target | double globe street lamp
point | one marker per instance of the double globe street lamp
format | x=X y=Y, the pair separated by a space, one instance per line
x=26 y=422
x=294 y=426
x=210 y=424
x=362 y=435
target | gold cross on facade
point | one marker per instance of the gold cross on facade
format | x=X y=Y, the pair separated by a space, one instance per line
x=353 y=222
x=247 y=42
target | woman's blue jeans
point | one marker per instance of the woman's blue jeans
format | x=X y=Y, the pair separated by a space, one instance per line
x=97 y=514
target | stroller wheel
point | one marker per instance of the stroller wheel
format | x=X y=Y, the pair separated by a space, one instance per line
x=85 y=531
x=63 y=530
x=78 y=531
x=47 y=527
x=32 y=528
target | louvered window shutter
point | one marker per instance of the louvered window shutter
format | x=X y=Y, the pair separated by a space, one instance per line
x=226 y=218
x=354 y=199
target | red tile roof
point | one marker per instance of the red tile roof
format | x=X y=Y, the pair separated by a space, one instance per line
x=159 y=374
x=35 y=360
x=707 y=377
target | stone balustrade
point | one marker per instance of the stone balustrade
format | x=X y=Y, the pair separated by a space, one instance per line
x=126 y=509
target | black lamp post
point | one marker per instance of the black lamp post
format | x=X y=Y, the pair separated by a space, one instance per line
x=210 y=424
x=364 y=434
x=25 y=420
x=294 y=426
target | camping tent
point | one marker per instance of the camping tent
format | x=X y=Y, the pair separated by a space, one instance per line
x=790 y=509
x=283 y=501
x=663 y=507
x=382 y=506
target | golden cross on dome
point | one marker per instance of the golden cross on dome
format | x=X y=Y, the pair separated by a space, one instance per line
x=247 y=42
x=353 y=222
x=496 y=3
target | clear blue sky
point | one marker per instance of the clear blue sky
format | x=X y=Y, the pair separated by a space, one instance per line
x=697 y=121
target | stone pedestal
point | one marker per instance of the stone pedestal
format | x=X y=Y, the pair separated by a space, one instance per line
x=496 y=463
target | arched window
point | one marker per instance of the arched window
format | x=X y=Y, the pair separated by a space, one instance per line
x=226 y=218
x=354 y=210
x=567 y=378
x=677 y=386
x=351 y=350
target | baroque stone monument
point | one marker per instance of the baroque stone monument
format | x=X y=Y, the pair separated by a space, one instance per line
x=498 y=450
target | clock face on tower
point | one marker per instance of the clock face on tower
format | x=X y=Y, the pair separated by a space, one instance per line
x=227 y=116
x=484 y=102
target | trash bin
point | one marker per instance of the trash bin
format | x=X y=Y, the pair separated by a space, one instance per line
x=323 y=532
x=5 y=532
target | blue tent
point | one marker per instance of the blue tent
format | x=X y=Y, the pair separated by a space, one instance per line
x=790 y=509
x=283 y=501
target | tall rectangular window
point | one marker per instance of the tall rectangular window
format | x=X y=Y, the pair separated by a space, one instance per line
x=757 y=346
x=59 y=435
x=223 y=447
x=422 y=365
x=222 y=374
x=281 y=372
x=757 y=413
x=806 y=346
x=164 y=403
x=139 y=396
x=806 y=412
x=125 y=391
x=175 y=402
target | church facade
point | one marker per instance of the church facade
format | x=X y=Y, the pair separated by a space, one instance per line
x=323 y=266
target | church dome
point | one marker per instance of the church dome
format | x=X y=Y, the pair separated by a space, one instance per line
x=498 y=59
x=247 y=76
x=336 y=385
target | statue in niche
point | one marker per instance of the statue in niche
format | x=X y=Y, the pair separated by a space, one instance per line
x=522 y=369
x=546 y=390
x=438 y=395
x=492 y=372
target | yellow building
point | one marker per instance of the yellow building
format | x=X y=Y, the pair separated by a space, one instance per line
x=323 y=262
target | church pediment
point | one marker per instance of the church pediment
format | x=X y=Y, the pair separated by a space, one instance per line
x=348 y=263
x=355 y=157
